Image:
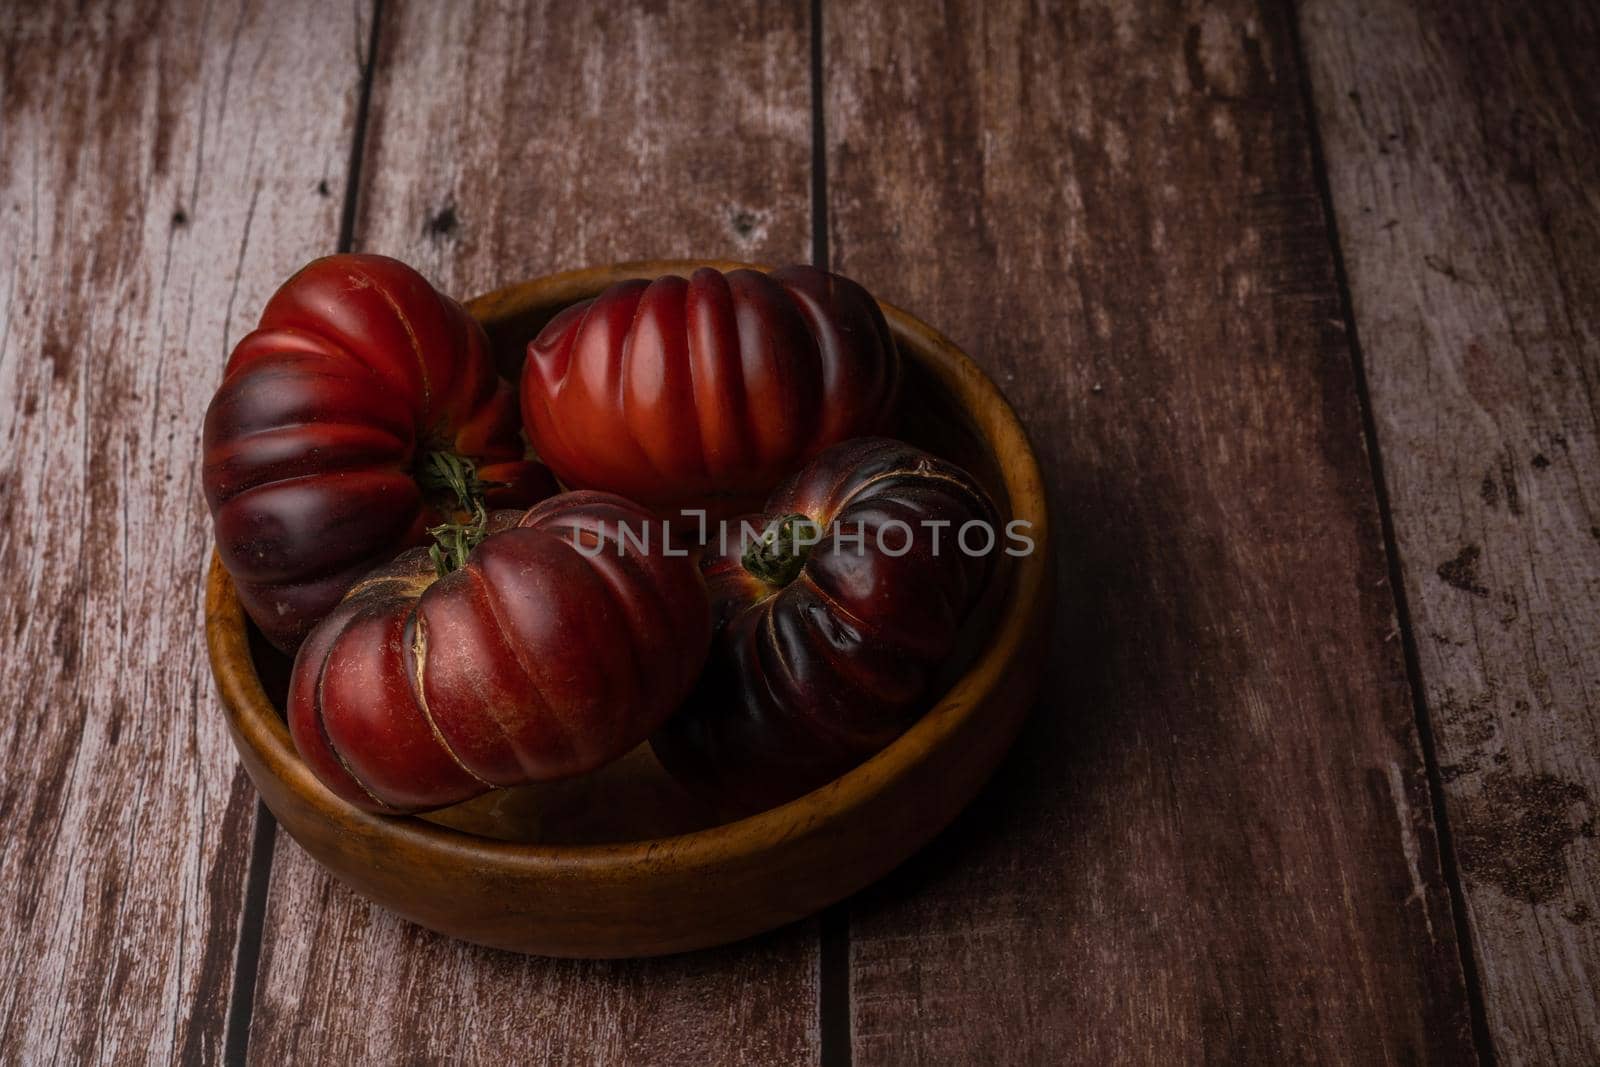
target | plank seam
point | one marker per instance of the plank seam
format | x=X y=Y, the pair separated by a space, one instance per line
x=358 y=140
x=819 y=147
x=247 y=959
x=252 y=923
x=1448 y=862
x=833 y=930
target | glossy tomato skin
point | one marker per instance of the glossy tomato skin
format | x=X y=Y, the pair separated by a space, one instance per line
x=809 y=678
x=707 y=391
x=313 y=440
x=556 y=648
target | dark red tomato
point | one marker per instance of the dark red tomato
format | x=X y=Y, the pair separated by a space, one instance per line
x=833 y=626
x=331 y=415
x=707 y=392
x=560 y=644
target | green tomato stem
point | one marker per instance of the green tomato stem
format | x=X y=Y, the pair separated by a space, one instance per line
x=450 y=472
x=779 y=555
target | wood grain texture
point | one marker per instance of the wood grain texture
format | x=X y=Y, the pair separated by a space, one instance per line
x=348 y=983
x=506 y=141
x=543 y=137
x=1215 y=842
x=160 y=168
x=1463 y=162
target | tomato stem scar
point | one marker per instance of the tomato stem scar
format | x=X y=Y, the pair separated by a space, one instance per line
x=450 y=472
x=778 y=556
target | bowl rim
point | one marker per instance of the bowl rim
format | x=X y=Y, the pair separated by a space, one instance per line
x=256 y=721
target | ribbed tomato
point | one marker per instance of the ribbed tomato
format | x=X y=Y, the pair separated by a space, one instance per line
x=565 y=638
x=832 y=626
x=338 y=418
x=707 y=392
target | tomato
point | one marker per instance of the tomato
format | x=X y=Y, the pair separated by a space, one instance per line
x=707 y=392
x=360 y=382
x=565 y=638
x=835 y=624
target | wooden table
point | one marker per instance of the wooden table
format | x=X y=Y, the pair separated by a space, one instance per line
x=1300 y=304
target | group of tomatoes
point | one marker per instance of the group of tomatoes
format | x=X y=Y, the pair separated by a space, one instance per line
x=460 y=623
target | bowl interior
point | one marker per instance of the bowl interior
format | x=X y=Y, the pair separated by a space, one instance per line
x=634 y=799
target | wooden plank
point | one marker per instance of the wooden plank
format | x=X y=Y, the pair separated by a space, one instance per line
x=643 y=130
x=505 y=144
x=1462 y=158
x=161 y=167
x=1215 y=838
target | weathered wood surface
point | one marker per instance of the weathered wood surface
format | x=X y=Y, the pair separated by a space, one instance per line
x=161 y=167
x=508 y=144
x=1465 y=172
x=504 y=145
x=1215 y=839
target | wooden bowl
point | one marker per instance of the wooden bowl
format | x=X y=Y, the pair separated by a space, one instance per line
x=621 y=863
